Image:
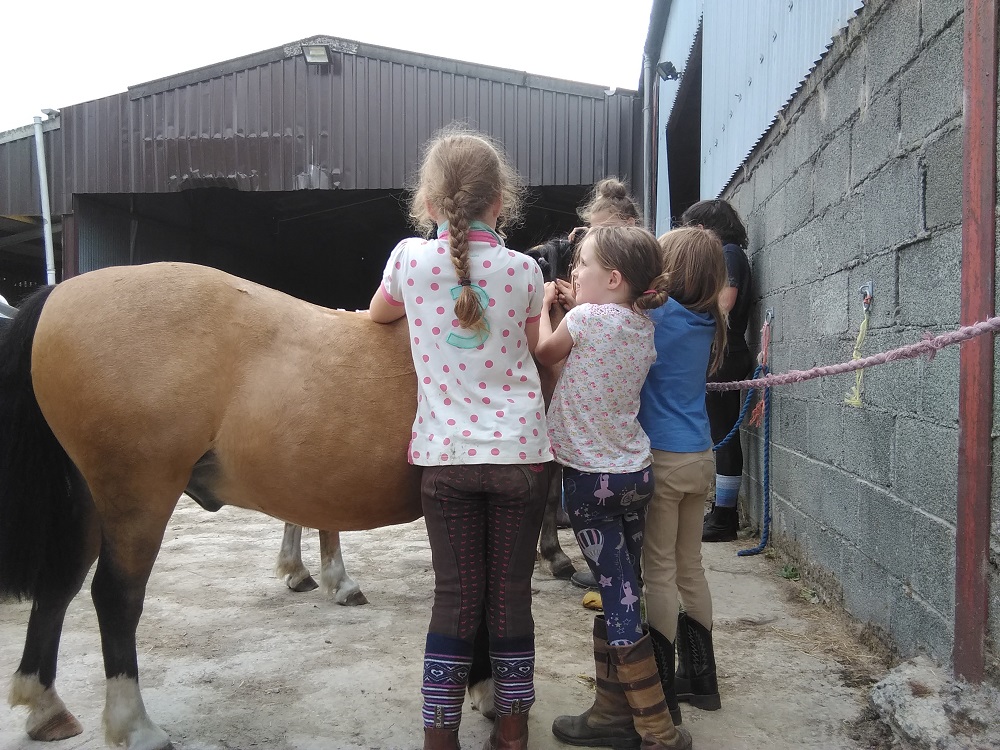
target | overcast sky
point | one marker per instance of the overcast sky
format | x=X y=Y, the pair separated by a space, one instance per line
x=58 y=53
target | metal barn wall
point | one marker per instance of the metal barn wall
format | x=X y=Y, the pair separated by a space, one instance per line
x=756 y=54
x=272 y=122
x=19 y=169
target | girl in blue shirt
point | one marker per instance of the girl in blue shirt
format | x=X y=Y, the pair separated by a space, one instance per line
x=690 y=340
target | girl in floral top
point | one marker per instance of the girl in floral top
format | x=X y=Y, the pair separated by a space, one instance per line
x=607 y=480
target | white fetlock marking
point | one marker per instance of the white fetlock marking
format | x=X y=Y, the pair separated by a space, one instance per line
x=290 y=567
x=481 y=696
x=43 y=703
x=125 y=719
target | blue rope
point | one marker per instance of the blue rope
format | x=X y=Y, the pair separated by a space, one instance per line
x=765 y=531
x=739 y=420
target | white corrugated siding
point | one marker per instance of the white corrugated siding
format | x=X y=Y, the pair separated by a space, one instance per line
x=756 y=53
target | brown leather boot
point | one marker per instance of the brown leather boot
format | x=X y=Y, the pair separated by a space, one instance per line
x=441 y=739
x=607 y=723
x=510 y=732
x=641 y=681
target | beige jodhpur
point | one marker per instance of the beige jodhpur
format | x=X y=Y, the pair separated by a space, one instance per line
x=671 y=552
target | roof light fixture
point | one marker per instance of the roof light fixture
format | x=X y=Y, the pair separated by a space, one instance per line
x=316 y=54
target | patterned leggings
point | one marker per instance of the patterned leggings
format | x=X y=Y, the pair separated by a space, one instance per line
x=608 y=514
x=483 y=522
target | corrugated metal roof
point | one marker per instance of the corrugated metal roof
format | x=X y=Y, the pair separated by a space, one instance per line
x=271 y=122
x=756 y=55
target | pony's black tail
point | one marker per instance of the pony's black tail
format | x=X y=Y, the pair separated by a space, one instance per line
x=42 y=524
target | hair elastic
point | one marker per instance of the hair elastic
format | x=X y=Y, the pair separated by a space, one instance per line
x=649 y=291
x=465 y=281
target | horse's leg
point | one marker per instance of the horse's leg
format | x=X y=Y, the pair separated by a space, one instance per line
x=481 y=673
x=130 y=542
x=333 y=574
x=34 y=681
x=559 y=563
x=290 y=567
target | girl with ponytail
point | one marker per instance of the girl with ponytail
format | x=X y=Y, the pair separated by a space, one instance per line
x=473 y=308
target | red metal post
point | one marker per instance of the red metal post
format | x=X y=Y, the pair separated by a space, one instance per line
x=975 y=393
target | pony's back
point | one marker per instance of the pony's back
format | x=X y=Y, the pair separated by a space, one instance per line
x=144 y=372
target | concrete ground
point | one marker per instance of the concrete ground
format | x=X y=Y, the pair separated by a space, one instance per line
x=230 y=658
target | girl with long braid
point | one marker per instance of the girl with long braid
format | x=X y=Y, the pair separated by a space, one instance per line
x=473 y=309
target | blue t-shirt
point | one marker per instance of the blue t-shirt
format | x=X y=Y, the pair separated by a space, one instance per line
x=672 y=409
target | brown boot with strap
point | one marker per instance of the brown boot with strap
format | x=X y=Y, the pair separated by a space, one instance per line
x=607 y=723
x=640 y=680
x=510 y=732
x=441 y=739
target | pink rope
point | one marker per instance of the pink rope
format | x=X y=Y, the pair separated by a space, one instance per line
x=928 y=346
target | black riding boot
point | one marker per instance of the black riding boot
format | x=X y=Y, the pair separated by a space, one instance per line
x=721 y=525
x=696 y=681
x=663 y=650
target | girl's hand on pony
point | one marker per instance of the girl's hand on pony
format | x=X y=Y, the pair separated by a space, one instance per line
x=566 y=294
x=551 y=295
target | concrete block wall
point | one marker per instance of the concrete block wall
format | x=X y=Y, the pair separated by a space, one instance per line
x=860 y=179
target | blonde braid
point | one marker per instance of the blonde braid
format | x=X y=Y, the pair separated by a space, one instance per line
x=468 y=309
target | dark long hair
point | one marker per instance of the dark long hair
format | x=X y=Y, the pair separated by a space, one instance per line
x=720 y=217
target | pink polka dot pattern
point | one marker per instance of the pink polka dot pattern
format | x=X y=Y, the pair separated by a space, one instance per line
x=493 y=372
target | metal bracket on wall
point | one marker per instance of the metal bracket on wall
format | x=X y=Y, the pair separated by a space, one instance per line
x=867 y=294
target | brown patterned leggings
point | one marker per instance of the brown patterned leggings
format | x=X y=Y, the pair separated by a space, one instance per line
x=483 y=522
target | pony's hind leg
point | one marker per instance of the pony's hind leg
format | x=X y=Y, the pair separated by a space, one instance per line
x=33 y=684
x=334 y=575
x=552 y=553
x=290 y=568
x=129 y=546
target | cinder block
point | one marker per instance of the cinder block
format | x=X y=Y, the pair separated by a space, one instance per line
x=939 y=385
x=802 y=354
x=794 y=318
x=892 y=42
x=930 y=280
x=868 y=443
x=806 y=254
x=933 y=575
x=875 y=135
x=789 y=422
x=894 y=386
x=916 y=626
x=826 y=432
x=925 y=473
x=832 y=171
x=841 y=93
x=828 y=305
x=943 y=181
x=880 y=269
x=931 y=89
x=798 y=200
x=887 y=530
x=891 y=204
x=867 y=588
x=774 y=216
x=836 y=502
x=936 y=14
x=840 y=234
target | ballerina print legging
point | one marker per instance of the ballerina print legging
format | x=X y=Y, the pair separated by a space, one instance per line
x=608 y=515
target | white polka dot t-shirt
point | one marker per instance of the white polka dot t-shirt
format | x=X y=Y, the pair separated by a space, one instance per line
x=479 y=399
x=592 y=420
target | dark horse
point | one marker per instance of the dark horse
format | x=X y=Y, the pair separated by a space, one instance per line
x=121 y=389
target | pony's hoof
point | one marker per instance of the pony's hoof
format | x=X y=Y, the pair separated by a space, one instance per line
x=306 y=584
x=562 y=568
x=60 y=727
x=354 y=599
